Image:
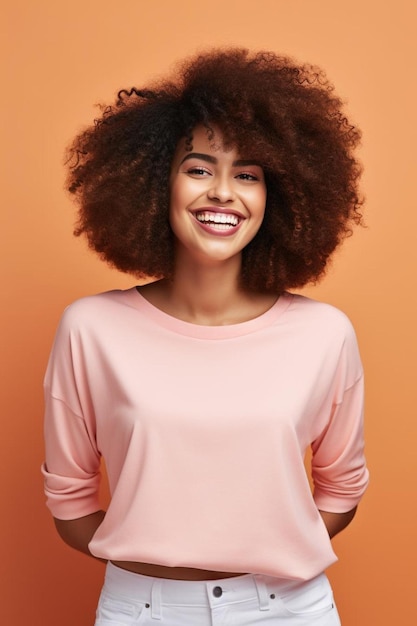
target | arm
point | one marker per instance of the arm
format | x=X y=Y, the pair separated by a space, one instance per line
x=338 y=465
x=77 y=533
x=335 y=522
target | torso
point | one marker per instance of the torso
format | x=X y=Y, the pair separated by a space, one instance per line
x=156 y=294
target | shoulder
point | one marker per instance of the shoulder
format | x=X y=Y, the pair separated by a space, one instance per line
x=96 y=304
x=320 y=317
x=326 y=332
x=90 y=314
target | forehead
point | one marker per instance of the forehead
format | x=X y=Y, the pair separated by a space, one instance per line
x=209 y=141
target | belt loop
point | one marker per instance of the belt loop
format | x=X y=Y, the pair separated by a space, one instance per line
x=156 y=599
x=263 y=595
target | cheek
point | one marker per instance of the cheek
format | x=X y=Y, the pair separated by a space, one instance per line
x=181 y=194
x=178 y=202
x=258 y=203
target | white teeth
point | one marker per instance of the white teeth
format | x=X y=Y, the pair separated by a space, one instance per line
x=221 y=221
x=219 y=226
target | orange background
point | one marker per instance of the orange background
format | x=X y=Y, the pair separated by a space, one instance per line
x=64 y=57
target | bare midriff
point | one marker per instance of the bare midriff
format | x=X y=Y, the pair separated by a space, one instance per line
x=174 y=573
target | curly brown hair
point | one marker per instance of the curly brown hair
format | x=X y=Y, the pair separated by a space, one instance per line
x=283 y=115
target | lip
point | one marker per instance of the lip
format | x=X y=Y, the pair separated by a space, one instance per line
x=212 y=230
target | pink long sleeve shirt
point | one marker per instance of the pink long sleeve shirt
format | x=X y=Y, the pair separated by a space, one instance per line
x=204 y=431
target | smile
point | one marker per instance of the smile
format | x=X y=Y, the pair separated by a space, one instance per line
x=218 y=221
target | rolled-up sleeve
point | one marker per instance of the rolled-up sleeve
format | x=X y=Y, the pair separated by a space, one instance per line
x=72 y=466
x=72 y=460
x=339 y=469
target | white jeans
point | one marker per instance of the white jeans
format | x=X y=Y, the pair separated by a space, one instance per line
x=129 y=599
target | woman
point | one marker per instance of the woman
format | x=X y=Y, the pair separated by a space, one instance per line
x=202 y=390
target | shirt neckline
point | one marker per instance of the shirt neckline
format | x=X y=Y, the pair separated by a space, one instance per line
x=198 y=331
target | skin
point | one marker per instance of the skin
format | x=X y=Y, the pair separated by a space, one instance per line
x=211 y=181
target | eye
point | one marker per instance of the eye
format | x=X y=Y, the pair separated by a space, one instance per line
x=247 y=176
x=198 y=171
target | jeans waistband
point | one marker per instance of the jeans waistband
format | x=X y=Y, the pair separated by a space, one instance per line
x=162 y=591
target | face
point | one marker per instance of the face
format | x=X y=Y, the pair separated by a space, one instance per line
x=217 y=199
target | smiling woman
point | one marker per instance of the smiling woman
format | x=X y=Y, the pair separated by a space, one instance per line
x=203 y=389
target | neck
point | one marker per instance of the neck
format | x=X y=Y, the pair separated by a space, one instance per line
x=206 y=294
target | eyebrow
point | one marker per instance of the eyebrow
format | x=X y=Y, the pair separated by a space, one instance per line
x=211 y=159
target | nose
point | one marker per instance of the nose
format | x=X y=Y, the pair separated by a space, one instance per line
x=221 y=189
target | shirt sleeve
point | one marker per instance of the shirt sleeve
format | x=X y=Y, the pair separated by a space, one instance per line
x=339 y=470
x=72 y=460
